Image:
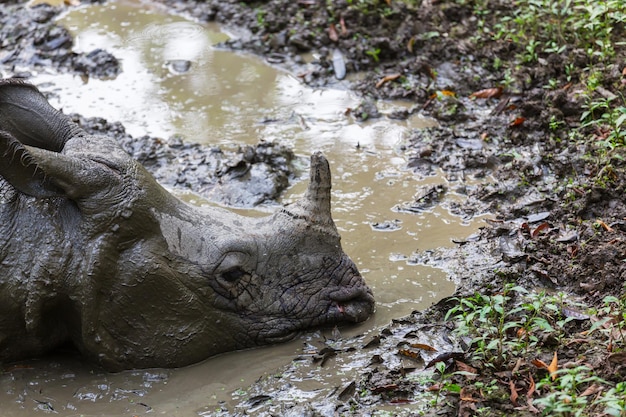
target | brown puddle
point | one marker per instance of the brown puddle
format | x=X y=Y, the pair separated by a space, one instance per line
x=175 y=81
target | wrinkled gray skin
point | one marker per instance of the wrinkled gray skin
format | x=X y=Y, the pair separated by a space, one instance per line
x=94 y=251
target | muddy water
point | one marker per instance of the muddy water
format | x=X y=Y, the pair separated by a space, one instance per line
x=175 y=81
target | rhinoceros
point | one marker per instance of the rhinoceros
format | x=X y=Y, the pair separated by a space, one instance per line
x=94 y=252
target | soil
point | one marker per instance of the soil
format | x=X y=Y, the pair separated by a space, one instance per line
x=559 y=216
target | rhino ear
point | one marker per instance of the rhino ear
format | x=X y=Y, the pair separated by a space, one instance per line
x=314 y=207
x=42 y=173
x=19 y=169
x=28 y=117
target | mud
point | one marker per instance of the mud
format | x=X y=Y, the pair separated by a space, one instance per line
x=246 y=177
x=538 y=175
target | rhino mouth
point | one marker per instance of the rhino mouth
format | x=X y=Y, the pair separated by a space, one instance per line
x=353 y=305
x=344 y=306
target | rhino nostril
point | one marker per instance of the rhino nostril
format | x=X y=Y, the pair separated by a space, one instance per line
x=345 y=295
x=233 y=274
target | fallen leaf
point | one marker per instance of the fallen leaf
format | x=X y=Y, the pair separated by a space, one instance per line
x=517 y=122
x=373 y=343
x=347 y=392
x=514 y=394
x=410 y=354
x=410 y=43
x=383 y=388
x=400 y=401
x=344 y=30
x=332 y=33
x=539 y=364
x=423 y=347
x=531 y=386
x=591 y=390
x=554 y=365
x=488 y=93
x=604 y=226
x=445 y=93
x=462 y=366
x=539 y=229
x=388 y=2
x=387 y=78
x=466 y=395
x=444 y=357
x=434 y=387
x=619 y=357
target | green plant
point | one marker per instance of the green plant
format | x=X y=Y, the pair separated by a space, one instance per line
x=445 y=383
x=374 y=52
x=608 y=121
x=563 y=398
x=614 y=401
x=486 y=319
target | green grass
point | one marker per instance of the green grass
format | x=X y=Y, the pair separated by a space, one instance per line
x=508 y=331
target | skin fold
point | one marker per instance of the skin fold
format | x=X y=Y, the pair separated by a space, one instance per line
x=93 y=251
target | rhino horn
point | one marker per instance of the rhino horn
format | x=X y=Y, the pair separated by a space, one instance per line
x=314 y=206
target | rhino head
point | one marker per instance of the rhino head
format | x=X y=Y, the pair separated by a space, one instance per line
x=94 y=251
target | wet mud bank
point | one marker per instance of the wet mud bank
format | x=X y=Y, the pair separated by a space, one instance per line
x=557 y=215
x=245 y=177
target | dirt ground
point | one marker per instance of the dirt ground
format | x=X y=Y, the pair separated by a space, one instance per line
x=559 y=213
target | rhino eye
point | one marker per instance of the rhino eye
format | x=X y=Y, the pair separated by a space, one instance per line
x=233 y=275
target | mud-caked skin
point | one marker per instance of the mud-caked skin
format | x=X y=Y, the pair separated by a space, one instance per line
x=94 y=251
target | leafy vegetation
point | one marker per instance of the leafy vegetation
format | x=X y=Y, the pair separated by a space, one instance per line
x=585 y=35
x=510 y=331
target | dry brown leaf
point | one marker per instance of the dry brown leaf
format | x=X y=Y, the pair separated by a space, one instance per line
x=387 y=78
x=539 y=364
x=554 y=365
x=539 y=229
x=342 y=24
x=466 y=395
x=410 y=43
x=591 y=390
x=462 y=366
x=488 y=93
x=423 y=347
x=410 y=354
x=531 y=386
x=619 y=357
x=604 y=226
x=388 y=2
x=514 y=394
x=332 y=33
x=529 y=395
x=517 y=122
x=446 y=93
